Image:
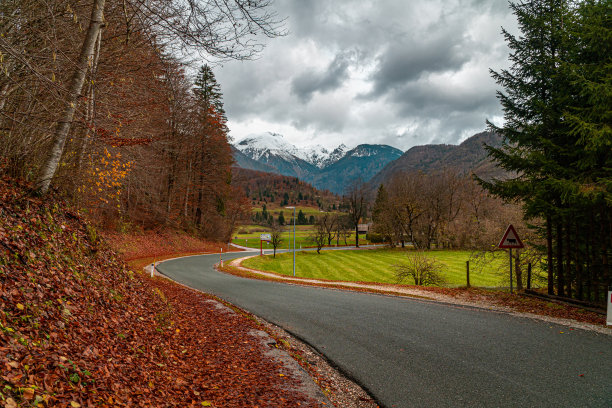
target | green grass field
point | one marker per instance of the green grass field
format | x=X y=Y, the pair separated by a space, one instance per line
x=249 y=236
x=377 y=266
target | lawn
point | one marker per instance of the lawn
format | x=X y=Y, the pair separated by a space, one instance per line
x=249 y=236
x=377 y=266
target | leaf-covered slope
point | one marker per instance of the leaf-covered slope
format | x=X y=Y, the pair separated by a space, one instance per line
x=78 y=329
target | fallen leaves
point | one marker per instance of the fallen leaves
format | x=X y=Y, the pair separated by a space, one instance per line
x=78 y=329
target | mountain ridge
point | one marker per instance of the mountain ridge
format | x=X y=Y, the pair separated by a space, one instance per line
x=371 y=163
x=468 y=156
x=325 y=169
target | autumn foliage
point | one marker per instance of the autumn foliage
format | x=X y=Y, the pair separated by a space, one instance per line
x=78 y=329
x=143 y=147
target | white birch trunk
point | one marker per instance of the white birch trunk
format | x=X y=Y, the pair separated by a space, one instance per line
x=76 y=85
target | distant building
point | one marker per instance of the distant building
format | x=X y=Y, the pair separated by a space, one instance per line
x=363 y=228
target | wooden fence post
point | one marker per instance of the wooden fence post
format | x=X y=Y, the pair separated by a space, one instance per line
x=529 y=275
x=467 y=270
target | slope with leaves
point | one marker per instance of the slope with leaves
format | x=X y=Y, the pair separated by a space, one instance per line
x=78 y=329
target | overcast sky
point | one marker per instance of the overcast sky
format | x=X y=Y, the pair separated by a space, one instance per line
x=397 y=72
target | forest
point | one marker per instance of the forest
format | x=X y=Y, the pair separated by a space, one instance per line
x=101 y=101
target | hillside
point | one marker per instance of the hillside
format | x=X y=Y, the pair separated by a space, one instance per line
x=271 y=188
x=467 y=157
x=362 y=162
x=78 y=329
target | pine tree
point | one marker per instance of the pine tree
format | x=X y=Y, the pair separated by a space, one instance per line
x=301 y=218
x=213 y=128
x=281 y=219
x=208 y=91
x=552 y=93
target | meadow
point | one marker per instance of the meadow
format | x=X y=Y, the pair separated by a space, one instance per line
x=248 y=236
x=377 y=266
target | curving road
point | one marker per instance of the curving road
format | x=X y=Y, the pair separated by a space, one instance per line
x=415 y=353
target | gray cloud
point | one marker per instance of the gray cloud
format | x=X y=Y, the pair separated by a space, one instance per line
x=404 y=62
x=389 y=71
x=309 y=82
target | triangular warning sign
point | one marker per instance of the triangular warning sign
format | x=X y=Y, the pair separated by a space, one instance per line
x=511 y=239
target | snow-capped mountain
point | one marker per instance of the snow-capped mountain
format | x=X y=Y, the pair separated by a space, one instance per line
x=264 y=146
x=273 y=150
x=316 y=155
x=315 y=164
x=362 y=162
x=258 y=145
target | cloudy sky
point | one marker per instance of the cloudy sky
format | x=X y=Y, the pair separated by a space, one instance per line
x=397 y=72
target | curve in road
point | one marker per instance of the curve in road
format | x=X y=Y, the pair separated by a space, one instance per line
x=415 y=353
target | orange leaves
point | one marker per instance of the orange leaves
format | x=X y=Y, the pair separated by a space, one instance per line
x=127 y=340
x=104 y=180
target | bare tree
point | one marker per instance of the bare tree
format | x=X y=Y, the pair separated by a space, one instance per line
x=406 y=204
x=319 y=237
x=357 y=205
x=328 y=222
x=276 y=236
x=343 y=229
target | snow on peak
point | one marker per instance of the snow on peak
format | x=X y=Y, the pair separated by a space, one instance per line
x=265 y=141
x=366 y=150
x=264 y=145
x=316 y=155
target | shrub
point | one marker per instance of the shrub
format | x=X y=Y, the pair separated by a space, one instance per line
x=375 y=238
x=424 y=270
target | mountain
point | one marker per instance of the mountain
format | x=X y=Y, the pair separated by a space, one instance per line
x=326 y=170
x=362 y=162
x=320 y=156
x=272 y=150
x=245 y=162
x=467 y=157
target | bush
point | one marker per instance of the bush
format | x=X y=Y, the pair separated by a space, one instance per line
x=424 y=270
x=375 y=238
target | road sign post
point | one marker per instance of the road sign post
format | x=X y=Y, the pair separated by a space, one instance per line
x=510 y=241
x=262 y=238
x=510 y=270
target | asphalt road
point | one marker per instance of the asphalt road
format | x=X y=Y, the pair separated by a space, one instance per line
x=415 y=353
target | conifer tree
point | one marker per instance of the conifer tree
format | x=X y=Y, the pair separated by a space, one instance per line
x=213 y=128
x=556 y=103
x=208 y=91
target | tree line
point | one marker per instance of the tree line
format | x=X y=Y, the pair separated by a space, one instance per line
x=97 y=101
x=439 y=210
x=557 y=150
x=557 y=98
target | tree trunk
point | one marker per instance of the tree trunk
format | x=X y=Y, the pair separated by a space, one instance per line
x=549 y=245
x=569 y=276
x=578 y=262
x=90 y=129
x=76 y=85
x=588 y=259
x=560 y=277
